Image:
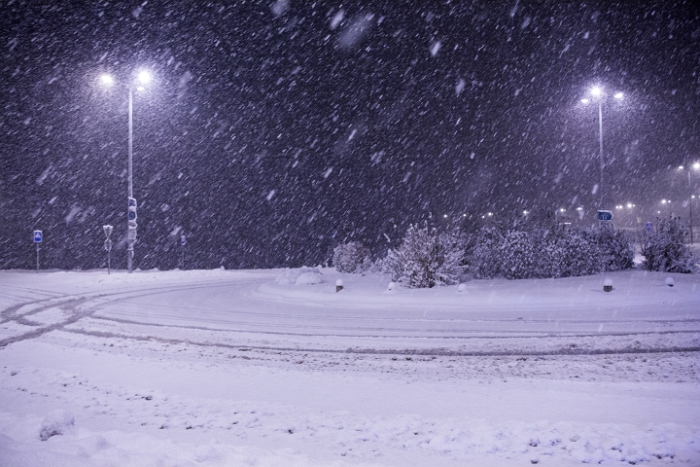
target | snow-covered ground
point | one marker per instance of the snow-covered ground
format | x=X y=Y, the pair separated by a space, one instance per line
x=248 y=368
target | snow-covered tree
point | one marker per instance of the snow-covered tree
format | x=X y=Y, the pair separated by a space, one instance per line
x=665 y=251
x=425 y=259
x=351 y=257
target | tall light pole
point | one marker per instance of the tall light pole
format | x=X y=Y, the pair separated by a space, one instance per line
x=142 y=78
x=598 y=94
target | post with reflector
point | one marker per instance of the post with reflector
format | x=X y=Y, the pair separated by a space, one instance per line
x=108 y=246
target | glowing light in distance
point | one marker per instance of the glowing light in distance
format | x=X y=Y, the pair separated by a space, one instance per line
x=107 y=80
x=596 y=91
x=144 y=77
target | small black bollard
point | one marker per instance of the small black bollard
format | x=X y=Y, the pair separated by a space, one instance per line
x=607 y=285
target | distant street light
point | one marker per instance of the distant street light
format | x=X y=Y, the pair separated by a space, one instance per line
x=142 y=78
x=599 y=94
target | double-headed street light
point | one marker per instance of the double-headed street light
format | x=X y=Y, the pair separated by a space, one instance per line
x=598 y=94
x=142 y=79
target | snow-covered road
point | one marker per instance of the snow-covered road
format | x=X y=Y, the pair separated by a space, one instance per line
x=236 y=368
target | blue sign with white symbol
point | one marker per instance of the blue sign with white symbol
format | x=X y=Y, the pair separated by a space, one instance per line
x=649 y=226
x=38 y=236
x=605 y=216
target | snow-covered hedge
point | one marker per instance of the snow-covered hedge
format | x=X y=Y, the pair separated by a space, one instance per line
x=351 y=257
x=568 y=254
x=485 y=260
x=616 y=248
x=425 y=258
x=518 y=254
x=665 y=251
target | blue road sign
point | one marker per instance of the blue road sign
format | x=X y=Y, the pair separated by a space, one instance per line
x=649 y=226
x=183 y=240
x=605 y=216
x=38 y=236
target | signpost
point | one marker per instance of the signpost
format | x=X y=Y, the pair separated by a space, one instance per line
x=649 y=228
x=38 y=238
x=131 y=231
x=108 y=246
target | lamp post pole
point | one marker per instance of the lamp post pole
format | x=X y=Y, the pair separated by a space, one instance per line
x=690 y=205
x=599 y=94
x=142 y=79
x=602 y=160
x=130 y=242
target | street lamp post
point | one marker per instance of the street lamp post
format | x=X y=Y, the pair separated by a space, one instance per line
x=598 y=94
x=142 y=78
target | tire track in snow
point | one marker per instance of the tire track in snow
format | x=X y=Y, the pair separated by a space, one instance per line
x=483 y=334
x=90 y=303
x=565 y=350
x=71 y=304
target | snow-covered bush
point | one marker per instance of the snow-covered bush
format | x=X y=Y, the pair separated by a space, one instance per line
x=578 y=256
x=616 y=248
x=665 y=251
x=301 y=276
x=351 y=257
x=517 y=255
x=425 y=259
x=540 y=253
x=485 y=261
x=56 y=423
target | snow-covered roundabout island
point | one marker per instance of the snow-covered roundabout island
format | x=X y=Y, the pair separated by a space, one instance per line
x=272 y=368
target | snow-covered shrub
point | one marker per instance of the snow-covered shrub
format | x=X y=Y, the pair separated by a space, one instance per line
x=56 y=423
x=425 y=259
x=578 y=256
x=565 y=253
x=616 y=248
x=301 y=276
x=351 y=257
x=550 y=256
x=485 y=261
x=665 y=251
x=538 y=253
x=517 y=255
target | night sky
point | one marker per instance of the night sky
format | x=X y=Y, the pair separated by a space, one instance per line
x=272 y=131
